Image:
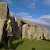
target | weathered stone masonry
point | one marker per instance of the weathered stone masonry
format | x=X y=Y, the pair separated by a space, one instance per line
x=31 y=31
x=4 y=13
x=21 y=28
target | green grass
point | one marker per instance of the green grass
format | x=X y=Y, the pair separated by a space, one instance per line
x=26 y=44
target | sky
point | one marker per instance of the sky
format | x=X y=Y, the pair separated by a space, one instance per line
x=35 y=11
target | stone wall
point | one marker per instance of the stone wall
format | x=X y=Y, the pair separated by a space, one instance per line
x=30 y=31
x=13 y=23
x=25 y=31
x=18 y=28
x=21 y=28
x=4 y=13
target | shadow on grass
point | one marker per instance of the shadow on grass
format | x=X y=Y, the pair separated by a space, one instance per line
x=17 y=44
x=46 y=40
x=1 y=45
x=33 y=48
x=14 y=38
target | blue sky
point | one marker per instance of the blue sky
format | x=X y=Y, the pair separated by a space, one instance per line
x=35 y=11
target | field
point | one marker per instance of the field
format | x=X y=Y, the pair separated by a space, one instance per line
x=26 y=44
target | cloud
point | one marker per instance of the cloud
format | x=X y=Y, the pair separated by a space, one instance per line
x=23 y=15
x=46 y=2
x=32 y=5
x=46 y=18
x=36 y=21
x=29 y=3
x=42 y=20
x=11 y=12
x=9 y=1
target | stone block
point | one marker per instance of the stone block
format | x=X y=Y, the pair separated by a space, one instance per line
x=4 y=13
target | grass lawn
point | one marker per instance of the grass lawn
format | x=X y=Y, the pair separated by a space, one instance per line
x=26 y=44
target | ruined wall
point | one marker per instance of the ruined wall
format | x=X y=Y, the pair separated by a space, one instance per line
x=25 y=33
x=33 y=31
x=39 y=34
x=18 y=28
x=4 y=13
x=13 y=23
x=46 y=33
x=21 y=28
x=4 y=10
